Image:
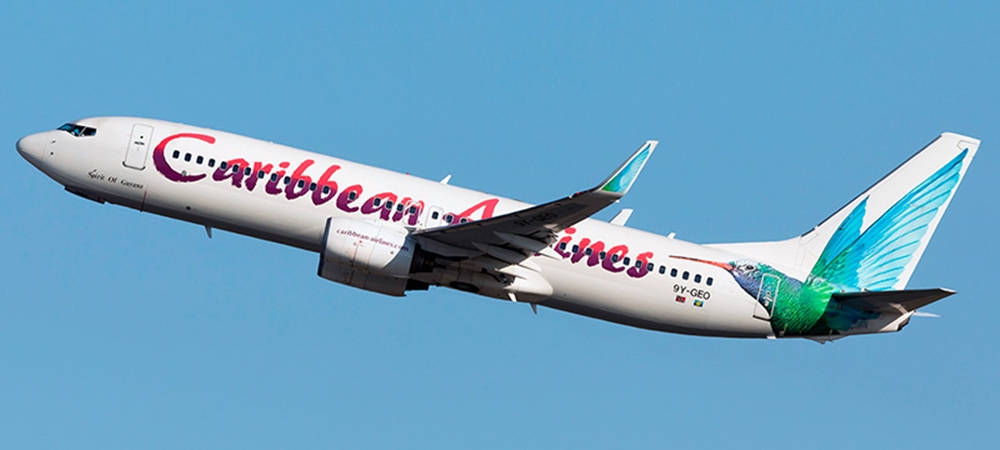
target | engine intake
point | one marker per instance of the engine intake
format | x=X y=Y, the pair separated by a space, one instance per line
x=374 y=256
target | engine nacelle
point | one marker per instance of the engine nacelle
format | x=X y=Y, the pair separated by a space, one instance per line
x=374 y=256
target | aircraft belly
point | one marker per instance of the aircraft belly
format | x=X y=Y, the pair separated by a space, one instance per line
x=647 y=303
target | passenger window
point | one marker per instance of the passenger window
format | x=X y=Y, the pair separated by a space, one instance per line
x=399 y=207
x=434 y=215
x=260 y=175
x=603 y=254
x=663 y=270
x=697 y=278
x=614 y=257
x=274 y=177
x=449 y=218
x=627 y=260
x=413 y=210
x=302 y=183
x=312 y=187
x=673 y=272
x=708 y=281
x=464 y=220
x=377 y=201
x=177 y=154
x=576 y=248
x=388 y=205
x=352 y=195
x=223 y=165
x=187 y=157
x=288 y=180
x=211 y=162
x=685 y=276
x=247 y=171
x=562 y=246
x=649 y=267
x=588 y=251
x=326 y=189
x=199 y=160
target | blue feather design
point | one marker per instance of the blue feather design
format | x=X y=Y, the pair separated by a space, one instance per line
x=875 y=259
x=623 y=179
x=847 y=233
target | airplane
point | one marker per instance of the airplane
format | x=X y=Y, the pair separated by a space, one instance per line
x=392 y=233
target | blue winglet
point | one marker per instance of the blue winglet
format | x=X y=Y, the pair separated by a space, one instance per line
x=620 y=182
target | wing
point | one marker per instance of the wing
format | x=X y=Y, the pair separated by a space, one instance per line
x=534 y=229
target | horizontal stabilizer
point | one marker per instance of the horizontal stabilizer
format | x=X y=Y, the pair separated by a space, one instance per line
x=892 y=301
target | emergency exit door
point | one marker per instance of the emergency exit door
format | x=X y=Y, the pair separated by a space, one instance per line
x=138 y=146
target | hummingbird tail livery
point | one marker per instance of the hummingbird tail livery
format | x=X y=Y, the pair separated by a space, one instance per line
x=395 y=233
x=862 y=256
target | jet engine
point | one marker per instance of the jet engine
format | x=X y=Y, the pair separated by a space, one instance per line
x=374 y=256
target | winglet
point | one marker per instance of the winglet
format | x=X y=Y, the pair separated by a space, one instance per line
x=620 y=181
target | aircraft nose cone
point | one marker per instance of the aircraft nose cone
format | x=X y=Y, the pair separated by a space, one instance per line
x=30 y=147
x=20 y=147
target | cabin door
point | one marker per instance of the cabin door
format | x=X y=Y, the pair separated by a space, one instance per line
x=138 y=146
x=433 y=217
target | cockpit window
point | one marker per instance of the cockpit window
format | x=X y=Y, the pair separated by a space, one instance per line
x=78 y=130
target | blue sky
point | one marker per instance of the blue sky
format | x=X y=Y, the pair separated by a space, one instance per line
x=127 y=330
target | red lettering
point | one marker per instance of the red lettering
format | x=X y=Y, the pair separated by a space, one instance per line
x=595 y=253
x=609 y=260
x=234 y=171
x=411 y=208
x=641 y=270
x=488 y=206
x=565 y=240
x=581 y=250
x=255 y=174
x=324 y=182
x=160 y=159
x=350 y=194
x=272 y=186
x=389 y=209
x=384 y=199
x=299 y=178
x=404 y=209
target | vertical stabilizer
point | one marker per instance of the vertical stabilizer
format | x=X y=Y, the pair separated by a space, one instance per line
x=875 y=241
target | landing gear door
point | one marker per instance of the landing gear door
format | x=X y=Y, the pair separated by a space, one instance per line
x=767 y=297
x=138 y=146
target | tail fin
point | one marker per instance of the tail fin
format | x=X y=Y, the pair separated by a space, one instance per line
x=875 y=241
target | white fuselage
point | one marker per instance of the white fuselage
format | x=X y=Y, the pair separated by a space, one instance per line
x=144 y=164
